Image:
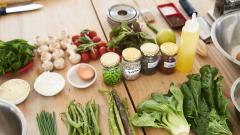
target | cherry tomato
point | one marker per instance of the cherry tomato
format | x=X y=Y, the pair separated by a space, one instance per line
x=110 y=49
x=94 y=54
x=76 y=43
x=102 y=44
x=85 y=57
x=102 y=50
x=74 y=38
x=92 y=34
x=96 y=39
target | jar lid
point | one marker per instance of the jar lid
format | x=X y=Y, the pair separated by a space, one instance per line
x=131 y=54
x=169 y=49
x=149 y=49
x=110 y=59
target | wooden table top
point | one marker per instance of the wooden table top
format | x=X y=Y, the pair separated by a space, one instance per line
x=76 y=15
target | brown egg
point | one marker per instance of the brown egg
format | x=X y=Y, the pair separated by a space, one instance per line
x=85 y=73
x=238 y=56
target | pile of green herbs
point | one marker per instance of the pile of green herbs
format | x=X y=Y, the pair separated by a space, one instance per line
x=119 y=117
x=14 y=55
x=163 y=111
x=82 y=119
x=47 y=123
x=128 y=35
x=204 y=104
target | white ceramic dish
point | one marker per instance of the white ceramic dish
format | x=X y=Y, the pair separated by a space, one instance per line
x=12 y=84
x=54 y=81
x=76 y=81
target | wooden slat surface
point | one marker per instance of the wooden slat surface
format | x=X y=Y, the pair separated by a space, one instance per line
x=72 y=16
x=160 y=82
x=75 y=15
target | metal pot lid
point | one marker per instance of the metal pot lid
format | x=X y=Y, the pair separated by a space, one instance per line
x=122 y=12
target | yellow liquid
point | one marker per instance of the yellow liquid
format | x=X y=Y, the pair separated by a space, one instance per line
x=187 y=51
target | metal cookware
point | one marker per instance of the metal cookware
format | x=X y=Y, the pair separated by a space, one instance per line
x=12 y=121
x=235 y=96
x=225 y=35
x=121 y=13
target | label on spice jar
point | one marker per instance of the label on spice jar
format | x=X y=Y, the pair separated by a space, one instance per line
x=153 y=64
x=132 y=72
x=169 y=64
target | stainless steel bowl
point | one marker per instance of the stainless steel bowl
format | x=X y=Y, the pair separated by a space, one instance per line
x=12 y=121
x=235 y=96
x=225 y=34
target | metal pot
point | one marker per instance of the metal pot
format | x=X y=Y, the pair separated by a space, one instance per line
x=12 y=121
x=235 y=96
x=226 y=35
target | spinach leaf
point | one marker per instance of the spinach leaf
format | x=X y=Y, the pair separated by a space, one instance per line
x=14 y=55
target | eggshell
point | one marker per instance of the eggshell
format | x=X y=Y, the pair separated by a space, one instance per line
x=85 y=73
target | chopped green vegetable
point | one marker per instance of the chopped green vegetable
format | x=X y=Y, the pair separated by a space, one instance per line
x=82 y=120
x=112 y=76
x=46 y=123
x=128 y=35
x=163 y=111
x=204 y=104
x=14 y=55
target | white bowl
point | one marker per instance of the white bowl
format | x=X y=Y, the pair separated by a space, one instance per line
x=24 y=96
x=56 y=83
x=76 y=81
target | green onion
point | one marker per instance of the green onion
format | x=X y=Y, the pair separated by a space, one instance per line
x=46 y=123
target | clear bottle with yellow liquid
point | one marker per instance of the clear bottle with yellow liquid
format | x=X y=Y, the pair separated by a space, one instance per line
x=188 y=45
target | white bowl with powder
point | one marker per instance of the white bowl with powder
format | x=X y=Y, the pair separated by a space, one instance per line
x=15 y=91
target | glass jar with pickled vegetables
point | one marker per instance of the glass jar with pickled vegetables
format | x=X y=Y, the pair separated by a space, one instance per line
x=111 y=68
x=168 y=61
x=131 y=63
x=150 y=58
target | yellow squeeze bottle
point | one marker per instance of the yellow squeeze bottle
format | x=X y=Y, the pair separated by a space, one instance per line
x=188 y=45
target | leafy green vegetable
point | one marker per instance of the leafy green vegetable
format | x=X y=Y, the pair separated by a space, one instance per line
x=14 y=55
x=163 y=111
x=204 y=104
x=128 y=35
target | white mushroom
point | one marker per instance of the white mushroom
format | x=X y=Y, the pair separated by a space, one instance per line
x=63 y=44
x=54 y=46
x=71 y=48
x=47 y=66
x=75 y=58
x=58 y=54
x=46 y=56
x=59 y=63
x=51 y=40
x=41 y=49
x=38 y=41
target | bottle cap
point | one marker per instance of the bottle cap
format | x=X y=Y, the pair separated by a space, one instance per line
x=169 y=49
x=110 y=59
x=149 y=49
x=131 y=54
x=192 y=25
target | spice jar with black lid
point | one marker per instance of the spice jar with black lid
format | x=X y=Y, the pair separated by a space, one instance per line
x=168 y=61
x=131 y=63
x=150 y=58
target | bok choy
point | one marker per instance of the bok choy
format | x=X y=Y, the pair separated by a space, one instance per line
x=163 y=111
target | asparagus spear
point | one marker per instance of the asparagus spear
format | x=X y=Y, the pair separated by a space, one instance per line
x=112 y=123
x=118 y=119
x=122 y=112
